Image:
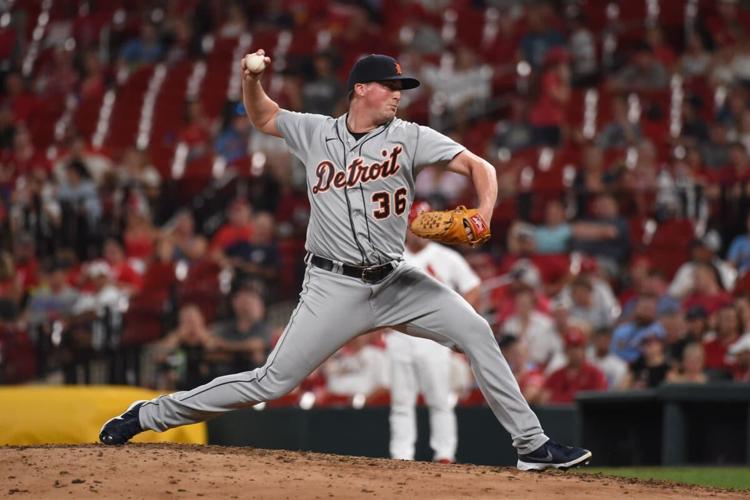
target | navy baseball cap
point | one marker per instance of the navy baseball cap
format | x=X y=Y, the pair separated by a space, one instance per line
x=378 y=68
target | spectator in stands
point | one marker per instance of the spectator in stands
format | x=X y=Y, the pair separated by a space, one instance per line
x=144 y=49
x=652 y=283
x=94 y=82
x=727 y=24
x=196 y=132
x=126 y=278
x=231 y=143
x=691 y=369
x=627 y=337
x=238 y=230
x=181 y=231
x=462 y=88
x=258 y=258
x=514 y=133
x=139 y=236
x=590 y=179
x=322 y=94
x=78 y=191
x=706 y=290
x=181 y=355
x=555 y=234
x=694 y=127
x=702 y=253
x=244 y=340
x=743 y=130
x=583 y=306
x=94 y=316
x=57 y=77
x=582 y=46
x=25 y=158
x=540 y=36
x=11 y=288
x=22 y=103
x=696 y=60
x=621 y=132
x=547 y=115
x=672 y=319
x=530 y=377
x=741 y=352
x=603 y=297
x=182 y=42
x=235 y=21
x=97 y=163
x=728 y=330
x=136 y=173
x=697 y=326
x=644 y=72
x=739 y=251
x=7 y=131
x=662 y=51
x=533 y=328
x=599 y=355
x=715 y=150
x=578 y=375
x=651 y=368
x=53 y=299
x=612 y=252
x=25 y=262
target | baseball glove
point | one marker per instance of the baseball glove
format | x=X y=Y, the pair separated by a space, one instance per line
x=455 y=227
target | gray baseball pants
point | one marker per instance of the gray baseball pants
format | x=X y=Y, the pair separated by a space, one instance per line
x=333 y=309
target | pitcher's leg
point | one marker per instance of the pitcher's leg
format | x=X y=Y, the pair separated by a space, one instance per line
x=314 y=332
x=434 y=373
x=425 y=308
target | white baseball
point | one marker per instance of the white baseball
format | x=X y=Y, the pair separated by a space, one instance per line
x=255 y=63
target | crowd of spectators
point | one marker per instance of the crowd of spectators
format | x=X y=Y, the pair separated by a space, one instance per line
x=163 y=246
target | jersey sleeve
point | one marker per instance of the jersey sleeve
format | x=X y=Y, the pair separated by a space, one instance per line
x=298 y=129
x=434 y=147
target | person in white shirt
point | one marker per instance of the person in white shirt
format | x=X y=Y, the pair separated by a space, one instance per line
x=422 y=366
x=614 y=368
x=534 y=329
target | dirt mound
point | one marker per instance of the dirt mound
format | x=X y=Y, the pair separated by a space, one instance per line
x=181 y=471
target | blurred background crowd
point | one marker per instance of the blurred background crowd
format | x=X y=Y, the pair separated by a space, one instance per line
x=150 y=236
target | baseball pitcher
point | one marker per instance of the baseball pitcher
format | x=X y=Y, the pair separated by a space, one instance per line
x=360 y=171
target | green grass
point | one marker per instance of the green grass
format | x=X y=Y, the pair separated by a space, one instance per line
x=736 y=478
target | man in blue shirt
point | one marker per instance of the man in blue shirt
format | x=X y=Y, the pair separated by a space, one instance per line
x=739 y=250
x=626 y=339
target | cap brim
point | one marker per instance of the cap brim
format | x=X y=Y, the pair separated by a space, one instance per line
x=406 y=82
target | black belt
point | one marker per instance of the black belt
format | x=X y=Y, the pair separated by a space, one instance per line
x=372 y=274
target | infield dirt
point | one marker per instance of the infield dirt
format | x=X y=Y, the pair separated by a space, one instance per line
x=137 y=471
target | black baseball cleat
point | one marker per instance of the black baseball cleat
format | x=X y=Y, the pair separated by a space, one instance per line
x=553 y=456
x=120 y=429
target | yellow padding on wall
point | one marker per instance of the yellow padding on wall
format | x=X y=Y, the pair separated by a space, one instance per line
x=74 y=414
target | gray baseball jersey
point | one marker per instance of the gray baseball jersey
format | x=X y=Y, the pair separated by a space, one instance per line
x=361 y=191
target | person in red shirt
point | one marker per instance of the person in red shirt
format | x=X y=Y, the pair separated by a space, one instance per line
x=548 y=113
x=22 y=102
x=717 y=344
x=125 y=276
x=24 y=159
x=578 y=375
x=741 y=352
x=530 y=378
x=237 y=230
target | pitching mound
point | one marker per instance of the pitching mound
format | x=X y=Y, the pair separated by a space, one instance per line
x=181 y=471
